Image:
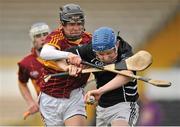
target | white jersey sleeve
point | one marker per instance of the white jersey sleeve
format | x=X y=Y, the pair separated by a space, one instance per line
x=49 y=52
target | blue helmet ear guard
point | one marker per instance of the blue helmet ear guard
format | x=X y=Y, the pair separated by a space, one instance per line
x=103 y=39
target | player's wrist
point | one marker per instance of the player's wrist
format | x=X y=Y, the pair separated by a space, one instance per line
x=101 y=90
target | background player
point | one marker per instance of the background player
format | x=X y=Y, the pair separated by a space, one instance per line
x=30 y=68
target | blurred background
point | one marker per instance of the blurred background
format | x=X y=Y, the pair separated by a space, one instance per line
x=152 y=25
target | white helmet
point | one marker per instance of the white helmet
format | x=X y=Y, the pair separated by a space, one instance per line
x=38 y=28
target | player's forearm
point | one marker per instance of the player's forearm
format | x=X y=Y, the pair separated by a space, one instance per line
x=115 y=83
x=25 y=92
x=49 y=52
x=62 y=64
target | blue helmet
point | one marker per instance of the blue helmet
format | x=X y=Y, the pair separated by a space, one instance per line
x=103 y=39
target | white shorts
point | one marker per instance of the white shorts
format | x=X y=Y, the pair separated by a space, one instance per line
x=56 y=110
x=128 y=111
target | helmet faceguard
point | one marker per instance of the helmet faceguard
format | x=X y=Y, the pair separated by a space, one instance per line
x=38 y=28
x=103 y=39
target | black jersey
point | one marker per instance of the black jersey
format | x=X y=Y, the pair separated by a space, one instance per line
x=126 y=93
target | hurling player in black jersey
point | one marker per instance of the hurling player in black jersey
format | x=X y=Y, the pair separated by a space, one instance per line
x=116 y=94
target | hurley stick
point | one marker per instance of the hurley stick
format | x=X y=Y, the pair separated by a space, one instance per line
x=158 y=83
x=89 y=70
x=26 y=114
x=138 y=62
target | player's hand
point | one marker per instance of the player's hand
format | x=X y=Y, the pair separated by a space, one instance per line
x=74 y=59
x=96 y=93
x=74 y=70
x=33 y=107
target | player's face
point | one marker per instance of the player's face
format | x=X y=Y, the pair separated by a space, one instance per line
x=39 y=40
x=108 y=56
x=73 y=29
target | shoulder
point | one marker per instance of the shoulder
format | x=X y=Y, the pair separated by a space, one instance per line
x=56 y=34
x=124 y=50
x=26 y=60
x=86 y=51
x=124 y=46
x=87 y=35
